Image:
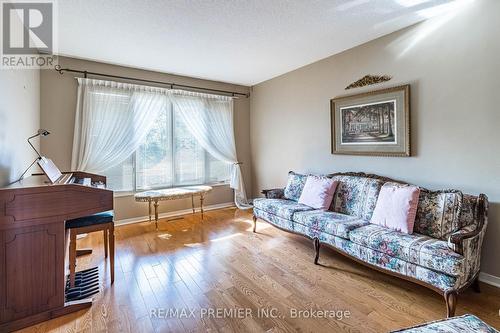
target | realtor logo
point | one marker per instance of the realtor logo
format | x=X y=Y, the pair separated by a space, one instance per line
x=27 y=34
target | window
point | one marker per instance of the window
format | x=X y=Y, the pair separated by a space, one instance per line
x=169 y=156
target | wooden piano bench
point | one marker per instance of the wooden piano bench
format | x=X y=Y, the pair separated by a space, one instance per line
x=92 y=223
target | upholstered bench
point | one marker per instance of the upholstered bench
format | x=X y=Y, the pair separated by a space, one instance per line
x=154 y=196
x=99 y=218
x=92 y=223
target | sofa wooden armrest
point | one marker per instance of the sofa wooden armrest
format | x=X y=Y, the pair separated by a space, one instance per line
x=458 y=238
x=275 y=193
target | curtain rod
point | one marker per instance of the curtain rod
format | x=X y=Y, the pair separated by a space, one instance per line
x=170 y=84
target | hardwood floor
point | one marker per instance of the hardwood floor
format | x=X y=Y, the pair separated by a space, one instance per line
x=220 y=263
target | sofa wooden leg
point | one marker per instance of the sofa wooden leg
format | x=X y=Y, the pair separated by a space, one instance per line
x=475 y=285
x=254 y=223
x=451 y=303
x=316 y=249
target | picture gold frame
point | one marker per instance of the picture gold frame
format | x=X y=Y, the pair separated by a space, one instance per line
x=398 y=144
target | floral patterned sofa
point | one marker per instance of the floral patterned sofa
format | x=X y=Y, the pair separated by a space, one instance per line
x=443 y=253
x=464 y=324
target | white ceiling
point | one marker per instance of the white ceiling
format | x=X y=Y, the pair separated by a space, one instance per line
x=237 y=41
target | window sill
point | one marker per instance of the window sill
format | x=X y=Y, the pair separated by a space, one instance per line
x=121 y=194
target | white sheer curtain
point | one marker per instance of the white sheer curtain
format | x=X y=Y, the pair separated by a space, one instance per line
x=210 y=119
x=111 y=121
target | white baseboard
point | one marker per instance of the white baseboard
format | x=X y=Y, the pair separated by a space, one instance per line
x=489 y=279
x=173 y=214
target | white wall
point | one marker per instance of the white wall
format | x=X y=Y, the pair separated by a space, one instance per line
x=453 y=66
x=19 y=119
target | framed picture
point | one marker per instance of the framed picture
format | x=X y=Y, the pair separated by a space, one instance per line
x=375 y=123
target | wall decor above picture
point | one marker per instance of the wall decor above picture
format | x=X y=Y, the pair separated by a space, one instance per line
x=368 y=80
x=375 y=123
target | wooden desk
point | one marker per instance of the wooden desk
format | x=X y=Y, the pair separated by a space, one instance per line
x=34 y=245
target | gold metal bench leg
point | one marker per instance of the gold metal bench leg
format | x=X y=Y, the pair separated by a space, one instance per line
x=156 y=213
x=201 y=205
x=149 y=203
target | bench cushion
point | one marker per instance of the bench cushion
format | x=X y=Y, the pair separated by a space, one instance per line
x=332 y=223
x=99 y=218
x=418 y=249
x=280 y=207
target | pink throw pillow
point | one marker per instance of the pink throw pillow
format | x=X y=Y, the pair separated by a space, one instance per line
x=318 y=192
x=396 y=207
